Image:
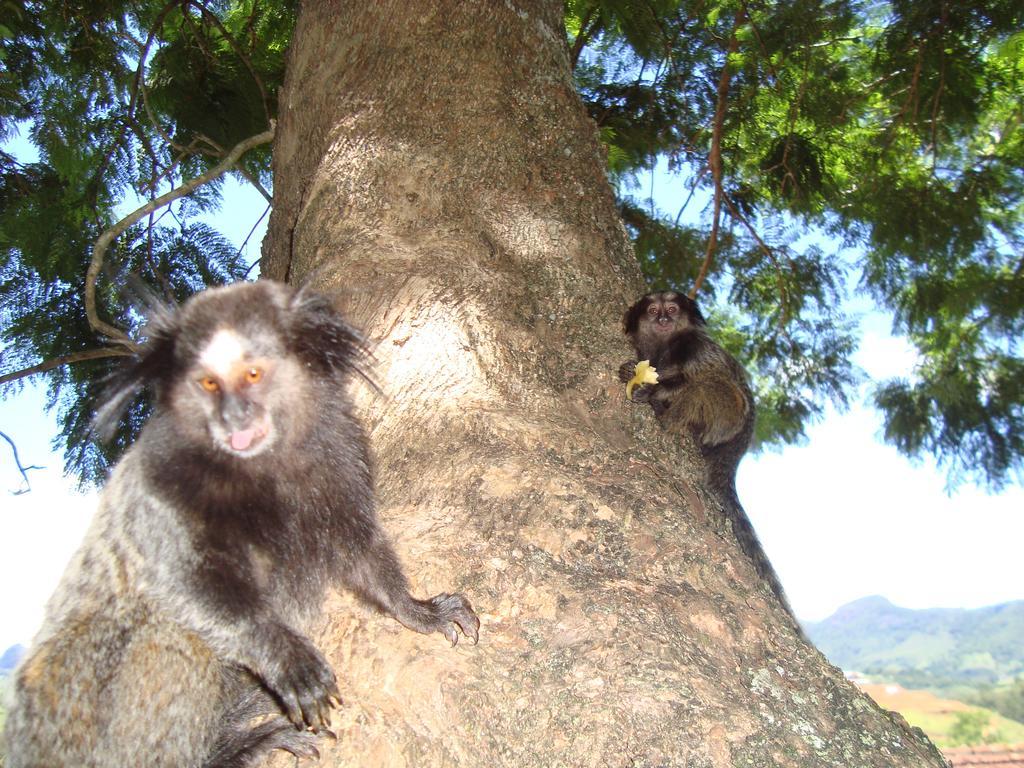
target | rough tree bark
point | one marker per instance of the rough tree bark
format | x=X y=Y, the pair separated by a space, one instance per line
x=435 y=170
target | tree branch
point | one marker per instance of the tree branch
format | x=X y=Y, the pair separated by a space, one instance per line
x=239 y=169
x=937 y=100
x=256 y=183
x=715 y=159
x=74 y=357
x=760 y=43
x=583 y=37
x=26 y=486
x=104 y=240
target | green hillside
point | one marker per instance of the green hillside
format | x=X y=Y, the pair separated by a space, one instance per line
x=948 y=723
x=945 y=649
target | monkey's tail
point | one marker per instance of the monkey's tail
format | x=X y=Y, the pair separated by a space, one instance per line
x=721 y=479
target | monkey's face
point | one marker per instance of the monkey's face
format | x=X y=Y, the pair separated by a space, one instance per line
x=242 y=368
x=658 y=317
x=662 y=317
x=233 y=385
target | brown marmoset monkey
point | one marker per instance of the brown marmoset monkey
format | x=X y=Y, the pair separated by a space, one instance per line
x=176 y=637
x=703 y=391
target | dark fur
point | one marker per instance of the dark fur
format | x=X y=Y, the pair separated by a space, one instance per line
x=701 y=391
x=176 y=637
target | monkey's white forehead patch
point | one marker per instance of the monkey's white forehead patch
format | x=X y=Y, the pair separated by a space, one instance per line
x=222 y=352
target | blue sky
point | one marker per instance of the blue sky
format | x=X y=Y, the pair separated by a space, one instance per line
x=841 y=517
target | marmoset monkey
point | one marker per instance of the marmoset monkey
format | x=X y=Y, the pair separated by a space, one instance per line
x=703 y=391
x=176 y=637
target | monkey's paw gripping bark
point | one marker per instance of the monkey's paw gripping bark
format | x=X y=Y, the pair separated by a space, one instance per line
x=279 y=734
x=303 y=745
x=305 y=685
x=453 y=613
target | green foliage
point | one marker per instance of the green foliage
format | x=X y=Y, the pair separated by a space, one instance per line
x=1008 y=700
x=122 y=101
x=893 y=127
x=941 y=723
x=970 y=729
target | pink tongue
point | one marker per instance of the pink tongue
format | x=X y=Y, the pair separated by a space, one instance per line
x=242 y=439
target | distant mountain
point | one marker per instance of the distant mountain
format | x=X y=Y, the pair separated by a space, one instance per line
x=10 y=658
x=934 y=648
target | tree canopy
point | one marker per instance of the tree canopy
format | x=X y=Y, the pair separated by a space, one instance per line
x=891 y=128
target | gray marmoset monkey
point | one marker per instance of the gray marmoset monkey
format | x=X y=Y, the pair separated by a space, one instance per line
x=702 y=391
x=176 y=636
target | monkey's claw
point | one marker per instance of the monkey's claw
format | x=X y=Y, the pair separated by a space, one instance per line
x=454 y=613
x=305 y=685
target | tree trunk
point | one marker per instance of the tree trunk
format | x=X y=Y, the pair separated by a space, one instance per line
x=435 y=170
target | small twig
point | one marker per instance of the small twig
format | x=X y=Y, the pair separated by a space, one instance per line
x=760 y=42
x=651 y=198
x=709 y=252
x=783 y=293
x=794 y=112
x=911 y=98
x=195 y=33
x=693 y=189
x=104 y=240
x=246 y=241
x=245 y=275
x=256 y=183
x=26 y=486
x=166 y=172
x=937 y=100
x=156 y=123
x=150 y=262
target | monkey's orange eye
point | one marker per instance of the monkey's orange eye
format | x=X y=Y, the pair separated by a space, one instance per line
x=652 y=309
x=209 y=383
x=254 y=375
x=672 y=309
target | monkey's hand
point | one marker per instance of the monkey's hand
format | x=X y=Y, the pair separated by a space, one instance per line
x=302 y=680
x=645 y=375
x=643 y=393
x=626 y=370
